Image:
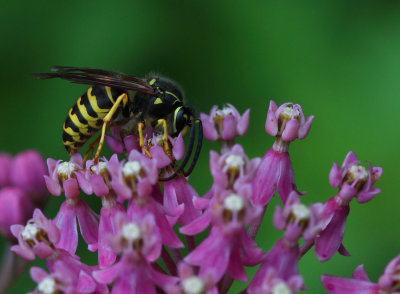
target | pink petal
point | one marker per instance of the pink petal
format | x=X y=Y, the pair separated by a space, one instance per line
x=131 y=143
x=243 y=123
x=66 y=223
x=53 y=186
x=290 y=131
x=86 y=284
x=71 y=188
x=210 y=133
x=335 y=175
x=305 y=128
x=336 y=285
x=106 y=276
x=38 y=274
x=157 y=152
x=178 y=148
x=229 y=128
x=84 y=183
x=115 y=145
x=271 y=124
x=360 y=274
x=99 y=186
x=88 y=223
x=196 y=226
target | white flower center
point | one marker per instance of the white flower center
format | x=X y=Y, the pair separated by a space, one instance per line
x=288 y=112
x=225 y=111
x=47 y=286
x=281 y=288
x=358 y=171
x=101 y=167
x=132 y=168
x=131 y=232
x=66 y=169
x=30 y=231
x=234 y=161
x=193 y=285
x=234 y=203
x=301 y=211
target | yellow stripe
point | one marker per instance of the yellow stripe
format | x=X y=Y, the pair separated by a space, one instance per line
x=70 y=131
x=175 y=114
x=108 y=89
x=172 y=94
x=93 y=103
x=75 y=120
x=91 y=120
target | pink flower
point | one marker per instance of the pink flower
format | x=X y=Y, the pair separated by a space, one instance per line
x=27 y=173
x=189 y=282
x=139 y=241
x=361 y=284
x=133 y=177
x=274 y=284
x=62 y=177
x=353 y=180
x=72 y=212
x=228 y=246
x=287 y=121
x=36 y=238
x=15 y=208
x=225 y=124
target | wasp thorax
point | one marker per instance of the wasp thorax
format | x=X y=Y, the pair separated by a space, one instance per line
x=299 y=214
x=66 y=170
x=233 y=205
x=193 y=285
x=356 y=173
x=48 y=286
x=281 y=288
x=100 y=168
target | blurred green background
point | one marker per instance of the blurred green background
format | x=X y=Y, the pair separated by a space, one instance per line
x=339 y=59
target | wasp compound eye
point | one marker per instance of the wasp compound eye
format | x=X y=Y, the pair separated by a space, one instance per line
x=182 y=119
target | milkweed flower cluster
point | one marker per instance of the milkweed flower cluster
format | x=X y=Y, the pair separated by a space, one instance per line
x=144 y=233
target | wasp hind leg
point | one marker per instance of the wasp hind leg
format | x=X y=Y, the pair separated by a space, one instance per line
x=141 y=139
x=106 y=121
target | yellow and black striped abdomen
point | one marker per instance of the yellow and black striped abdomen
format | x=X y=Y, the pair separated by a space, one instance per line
x=85 y=118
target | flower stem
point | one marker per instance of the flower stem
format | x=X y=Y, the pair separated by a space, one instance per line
x=168 y=261
x=10 y=268
x=191 y=243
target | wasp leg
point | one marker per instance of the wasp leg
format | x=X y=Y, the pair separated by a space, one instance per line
x=141 y=139
x=91 y=147
x=189 y=152
x=106 y=120
x=162 y=122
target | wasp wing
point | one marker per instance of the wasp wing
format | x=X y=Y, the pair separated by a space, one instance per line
x=91 y=76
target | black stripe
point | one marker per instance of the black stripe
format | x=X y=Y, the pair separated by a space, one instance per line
x=102 y=98
x=75 y=110
x=86 y=103
x=70 y=124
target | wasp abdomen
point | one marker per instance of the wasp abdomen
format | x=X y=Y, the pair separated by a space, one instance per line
x=85 y=118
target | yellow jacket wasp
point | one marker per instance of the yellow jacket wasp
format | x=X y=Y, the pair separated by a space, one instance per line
x=156 y=103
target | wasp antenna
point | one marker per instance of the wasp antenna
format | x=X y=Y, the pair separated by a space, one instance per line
x=198 y=149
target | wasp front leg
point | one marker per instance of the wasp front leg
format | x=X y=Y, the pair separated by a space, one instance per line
x=141 y=139
x=163 y=123
x=123 y=98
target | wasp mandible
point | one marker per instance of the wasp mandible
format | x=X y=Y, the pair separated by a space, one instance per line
x=156 y=103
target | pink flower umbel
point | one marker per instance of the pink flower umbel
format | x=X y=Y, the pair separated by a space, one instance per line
x=389 y=282
x=286 y=123
x=228 y=247
x=139 y=241
x=298 y=221
x=353 y=181
x=274 y=284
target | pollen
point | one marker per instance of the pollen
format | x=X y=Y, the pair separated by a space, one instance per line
x=30 y=231
x=47 y=286
x=132 y=168
x=289 y=112
x=101 y=167
x=193 y=285
x=281 y=288
x=234 y=203
x=65 y=170
x=131 y=232
x=357 y=171
x=301 y=212
x=225 y=111
x=234 y=161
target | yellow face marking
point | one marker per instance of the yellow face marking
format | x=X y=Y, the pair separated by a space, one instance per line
x=93 y=103
x=158 y=101
x=152 y=82
x=109 y=94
